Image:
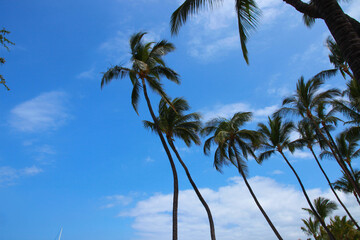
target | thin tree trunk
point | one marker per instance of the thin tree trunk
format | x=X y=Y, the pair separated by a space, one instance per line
x=339 y=161
x=176 y=184
x=331 y=236
x=202 y=200
x=339 y=158
x=357 y=198
x=255 y=199
x=332 y=189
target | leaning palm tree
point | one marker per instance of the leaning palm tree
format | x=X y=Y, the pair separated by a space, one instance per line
x=173 y=122
x=304 y=103
x=246 y=10
x=343 y=184
x=275 y=138
x=308 y=138
x=311 y=228
x=233 y=145
x=351 y=107
x=348 y=147
x=147 y=68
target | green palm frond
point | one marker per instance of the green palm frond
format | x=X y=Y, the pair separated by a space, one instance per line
x=247 y=16
x=114 y=73
x=188 y=8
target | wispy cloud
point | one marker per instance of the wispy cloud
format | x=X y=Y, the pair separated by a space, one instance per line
x=228 y=110
x=235 y=213
x=117 y=200
x=42 y=113
x=9 y=175
x=215 y=32
x=88 y=74
x=277 y=172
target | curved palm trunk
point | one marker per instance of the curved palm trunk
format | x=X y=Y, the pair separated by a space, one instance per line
x=357 y=198
x=255 y=199
x=332 y=189
x=343 y=32
x=198 y=194
x=331 y=236
x=176 y=184
x=339 y=159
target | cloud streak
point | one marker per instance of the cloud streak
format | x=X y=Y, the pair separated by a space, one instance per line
x=43 y=113
x=9 y=175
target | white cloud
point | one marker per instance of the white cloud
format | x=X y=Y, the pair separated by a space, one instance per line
x=42 y=113
x=302 y=154
x=149 y=159
x=228 y=110
x=235 y=213
x=277 y=172
x=88 y=74
x=9 y=175
x=116 y=200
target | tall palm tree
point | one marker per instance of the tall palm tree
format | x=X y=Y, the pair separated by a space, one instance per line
x=233 y=145
x=147 y=68
x=173 y=122
x=5 y=42
x=343 y=184
x=246 y=10
x=275 y=138
x=304 y=103
x=308 y=138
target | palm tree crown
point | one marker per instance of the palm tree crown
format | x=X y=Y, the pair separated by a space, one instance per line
x=147 y=65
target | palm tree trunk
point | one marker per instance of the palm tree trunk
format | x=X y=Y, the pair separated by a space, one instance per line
x=331 y=236
x=202 y=200
x=255 y=198
x=357 y=198
x=332 y=189
x=176 y=184
x=340 y=160
x=343 y=32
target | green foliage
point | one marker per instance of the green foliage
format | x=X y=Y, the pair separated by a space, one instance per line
x=5 y=42
x=246 y=10
x=342 y=229
x=148 y=67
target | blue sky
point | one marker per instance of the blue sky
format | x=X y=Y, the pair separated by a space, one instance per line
x=78 y=157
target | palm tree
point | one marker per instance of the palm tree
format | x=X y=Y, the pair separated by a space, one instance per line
x=351 y=107
x=174 y=123
x=344 y=29
x=324 y=207
x=308 y=138
x=232 y=142
x=246 y=10
x=305 y=102
x=348 y=148
x=275 y=138
x=147 y=68
x=343 y=184
x=337 y=59
x=311 y=228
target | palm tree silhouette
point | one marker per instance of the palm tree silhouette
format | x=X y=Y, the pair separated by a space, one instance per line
x=174 y=123
x=343 y=184
x=232 y=142
x=147 y=68
x=275 y=138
